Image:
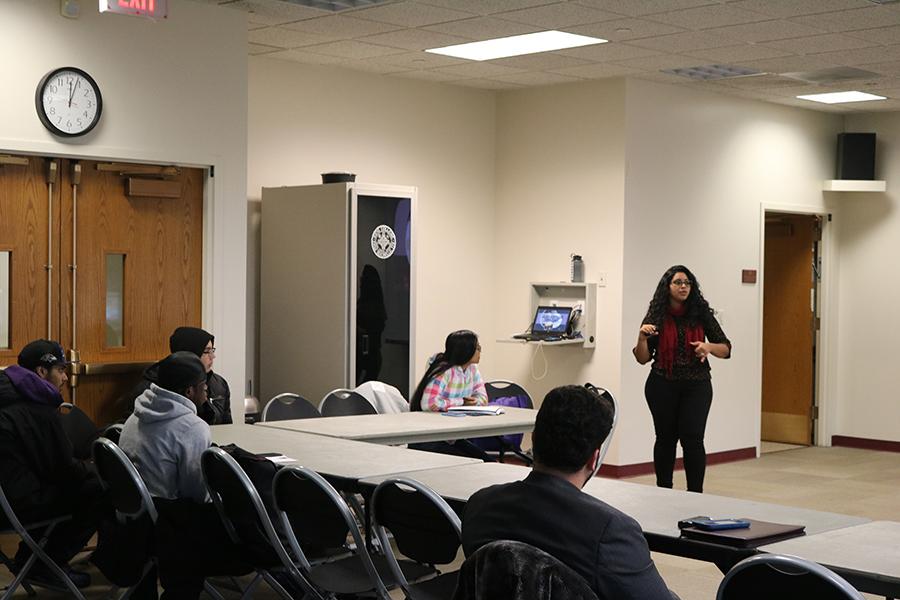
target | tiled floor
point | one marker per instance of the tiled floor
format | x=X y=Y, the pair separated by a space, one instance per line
x=844 y=480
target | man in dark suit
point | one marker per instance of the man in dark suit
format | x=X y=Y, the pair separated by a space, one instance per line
x=549 y=511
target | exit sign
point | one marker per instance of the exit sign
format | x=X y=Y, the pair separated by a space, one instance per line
x=156 y=9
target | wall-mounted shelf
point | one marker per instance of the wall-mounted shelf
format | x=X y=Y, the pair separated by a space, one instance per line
x=854 y=185
x=561 y=293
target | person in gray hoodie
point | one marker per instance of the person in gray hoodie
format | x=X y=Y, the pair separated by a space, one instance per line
x=164 y=437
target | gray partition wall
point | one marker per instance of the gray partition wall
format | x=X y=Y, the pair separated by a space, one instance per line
x=337 y=278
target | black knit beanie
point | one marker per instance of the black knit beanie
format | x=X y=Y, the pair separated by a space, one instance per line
x=190 y=339
x=179 y=371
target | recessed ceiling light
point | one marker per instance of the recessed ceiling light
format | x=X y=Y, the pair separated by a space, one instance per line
x=517 y=45
x=841 y=97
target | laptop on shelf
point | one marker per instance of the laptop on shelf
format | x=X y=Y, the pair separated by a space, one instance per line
x=550 y=323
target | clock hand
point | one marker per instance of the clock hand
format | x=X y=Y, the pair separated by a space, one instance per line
x=71 y=93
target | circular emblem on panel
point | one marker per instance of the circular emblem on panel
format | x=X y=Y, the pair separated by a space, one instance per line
x=384 y=242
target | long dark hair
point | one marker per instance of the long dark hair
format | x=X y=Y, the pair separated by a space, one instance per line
x=696 y=308
x=459 y=348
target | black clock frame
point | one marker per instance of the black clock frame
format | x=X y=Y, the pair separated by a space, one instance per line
x=39 y=105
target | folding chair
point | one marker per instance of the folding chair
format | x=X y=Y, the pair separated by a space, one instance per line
x=288 y=406
x=506 y=393
x=244 y=517
x=79 y=428
x=24 y=530
x=343 y=402
x=129 y=495
x=781 y=577
x=425 y=530
x=113 y=432
x=606 y=394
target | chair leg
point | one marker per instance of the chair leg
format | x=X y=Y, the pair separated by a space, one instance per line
x=212 y=591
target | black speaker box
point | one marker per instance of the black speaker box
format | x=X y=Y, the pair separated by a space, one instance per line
x=855 y=156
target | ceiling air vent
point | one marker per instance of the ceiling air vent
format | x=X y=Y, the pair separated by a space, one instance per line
x=336 y=5
x=883 y=1
x=712 y=72
x=832 y=75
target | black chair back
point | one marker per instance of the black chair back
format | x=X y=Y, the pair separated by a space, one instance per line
x=316 y=520
x=500 y=388
x=779 y=577
x=79 y=428
x=289 y=406
x=341 y=403
x=127 y=491
x=113 y=432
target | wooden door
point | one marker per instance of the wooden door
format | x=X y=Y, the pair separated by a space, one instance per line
x=147 y=220
x=788 y=328
x=148 y=240
x=29 y=213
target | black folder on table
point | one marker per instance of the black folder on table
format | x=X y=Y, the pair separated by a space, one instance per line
x=759 y=533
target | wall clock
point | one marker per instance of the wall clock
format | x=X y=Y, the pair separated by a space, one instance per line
x=68 y=102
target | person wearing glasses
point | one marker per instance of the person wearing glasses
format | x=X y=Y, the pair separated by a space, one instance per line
x=679 y=334
x=198 y=341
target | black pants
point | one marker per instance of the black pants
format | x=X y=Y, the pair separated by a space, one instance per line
x=455 y=448
x=679 y=410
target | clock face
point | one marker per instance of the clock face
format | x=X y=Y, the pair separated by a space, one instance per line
x=68 y=102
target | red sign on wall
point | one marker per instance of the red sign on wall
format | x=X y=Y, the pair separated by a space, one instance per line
x=156 y=9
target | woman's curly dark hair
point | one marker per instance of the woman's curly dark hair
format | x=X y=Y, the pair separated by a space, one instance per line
x=697 y=309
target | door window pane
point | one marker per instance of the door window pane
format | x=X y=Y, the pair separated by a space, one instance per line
x=4 y=299
x=115 y=300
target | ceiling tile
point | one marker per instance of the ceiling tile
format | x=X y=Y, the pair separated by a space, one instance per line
x=257 y=49
x=862 y=56
x=305 y=57
x=766 y=31
x=789 y=64
x=488 y=84
x=661 y=77
x=410 y=14
x=339 y=27
x=417 y=60
x=414 y=39
x=852 y=20
x=372 y=67
x=426 y=75
x=543 y=61
x=658 y=62
x=488 y=7
x=555 y=16
x=891 y=104
x=285 y=38
x=707 y=17
x=274 y=12
x=352 y=49
x=820 y=43
x=483 y=28
x=637 y=8
x=598 y=71
x=683 y=42
x=889 y=69
x=882 y=35
x=478 y=69
x=760 y=82
x=736 y=55
x=537 y=78
x=607 y=52
x=793 y=8
x=621 y=30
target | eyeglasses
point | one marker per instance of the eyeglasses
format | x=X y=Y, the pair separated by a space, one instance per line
x=478 y=348
x=209 y=351
x=682 y=282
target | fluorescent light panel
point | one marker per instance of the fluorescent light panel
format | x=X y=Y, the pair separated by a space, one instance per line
x=517 y=45
x=841 y=97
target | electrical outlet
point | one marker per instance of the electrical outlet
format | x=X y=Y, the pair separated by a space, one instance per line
x=601 y=279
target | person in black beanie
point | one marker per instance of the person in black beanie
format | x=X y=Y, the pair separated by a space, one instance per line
x=199 y=342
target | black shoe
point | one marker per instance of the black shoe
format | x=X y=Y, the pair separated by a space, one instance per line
x=42 y=576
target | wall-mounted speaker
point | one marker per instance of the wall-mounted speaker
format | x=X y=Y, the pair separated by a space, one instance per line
x=855 y=156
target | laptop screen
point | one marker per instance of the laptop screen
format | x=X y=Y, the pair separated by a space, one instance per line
x=551 y=319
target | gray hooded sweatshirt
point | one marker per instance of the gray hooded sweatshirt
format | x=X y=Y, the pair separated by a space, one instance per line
x=164 y=438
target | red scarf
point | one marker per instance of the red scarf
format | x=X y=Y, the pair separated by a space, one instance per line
x=668 y=339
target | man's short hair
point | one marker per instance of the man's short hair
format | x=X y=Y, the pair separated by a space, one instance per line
x=573 y=422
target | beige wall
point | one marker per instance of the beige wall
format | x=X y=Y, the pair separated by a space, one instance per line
x=869 y=230
x=174 y=92
x=306 y=120
x=699 y=168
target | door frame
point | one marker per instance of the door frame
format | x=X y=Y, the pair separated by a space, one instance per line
x=825 y=373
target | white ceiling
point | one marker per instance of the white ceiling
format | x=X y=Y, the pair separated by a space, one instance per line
x=645 y=36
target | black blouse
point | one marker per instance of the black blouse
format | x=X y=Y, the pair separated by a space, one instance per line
x=687 y=366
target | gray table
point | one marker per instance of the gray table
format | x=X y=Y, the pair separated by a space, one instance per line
x=342 y=459
x=412 y=427
x=657 y=510
x=867 y=555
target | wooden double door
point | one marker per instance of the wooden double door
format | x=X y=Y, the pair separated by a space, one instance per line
x=104 y=257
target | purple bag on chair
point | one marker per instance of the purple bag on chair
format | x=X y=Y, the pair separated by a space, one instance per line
x=512 y=441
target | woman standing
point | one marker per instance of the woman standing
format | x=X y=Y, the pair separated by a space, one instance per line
x=452 y=379
x=679 y=334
